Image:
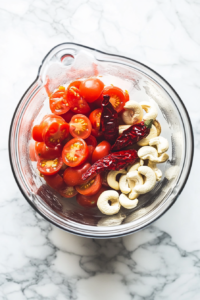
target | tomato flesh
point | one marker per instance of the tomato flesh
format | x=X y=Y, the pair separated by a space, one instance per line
x=42 y=151
x=91 y=88
x=73 y=176
x=75 y=152
x=58 y=101
x=37 y=133
x=117 y=98
x=67 y=191
x=100 y=151
x=49 y=167
x=80 y=126
x=77 y=104
x=95 y=118
x=68 y=115
x=91 y=187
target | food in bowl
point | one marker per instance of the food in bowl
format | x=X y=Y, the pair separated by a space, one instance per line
x=94 y=134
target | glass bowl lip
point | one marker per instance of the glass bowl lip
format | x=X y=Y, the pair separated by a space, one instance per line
x=107 y=235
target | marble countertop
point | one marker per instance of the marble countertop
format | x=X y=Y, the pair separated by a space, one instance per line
x=39 y=261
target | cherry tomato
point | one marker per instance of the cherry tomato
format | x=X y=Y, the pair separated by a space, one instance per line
x=95 y=118
x=32 y=151
x=67 y=191
x=89 y=201
x=97 y=133
x=55 y=130
x=91 y=141
x=77 y=104
x=37 y=133
x=42 y=151
x=49 y=167
x=54 y=181
x=90 y=150
x=80 y=126
x=73 y=176
x=126 y=95
x=100 y=151
x=90 y=187
x=91 y=89
x=117 y=98
x=75 y=152
x=68 y=115
x=75 y=83
x=58 y=101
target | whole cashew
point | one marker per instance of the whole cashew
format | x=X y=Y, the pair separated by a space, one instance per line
x=123 y=185
x=161 y=143
x=135 y=166
x=112 y=220
x=149 y=182
x=151 y=110
x=133 y=113
x=151 y=153
x=104 y=205
x=152 y=134
x=134 y=179
x=157 y=171
x=158 y=126
x=111 y=178
x=126 y=202
x=123 y=127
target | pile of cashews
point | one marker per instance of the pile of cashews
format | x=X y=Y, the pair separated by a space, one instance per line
x=141 y=177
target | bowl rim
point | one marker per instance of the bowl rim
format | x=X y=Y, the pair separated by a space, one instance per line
x=108 y=235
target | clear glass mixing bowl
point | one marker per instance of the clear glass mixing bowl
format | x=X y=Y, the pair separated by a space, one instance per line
x=63 y=64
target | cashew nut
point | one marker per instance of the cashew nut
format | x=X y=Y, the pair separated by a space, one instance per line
x=152 y=134
x=123 y=127
x=149 y=182
x=157 y=171
x=112 y=220
x=134 y=179
x=133 y=113
x=111 y=179
x=151 y=110
x=161 y=143
x=158 y=126
x=123 y=185
x=126 y=202
x=151 y=153
x=103 y=204
x=135 y=166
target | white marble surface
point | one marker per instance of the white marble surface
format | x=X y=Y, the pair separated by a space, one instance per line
x=39 y=261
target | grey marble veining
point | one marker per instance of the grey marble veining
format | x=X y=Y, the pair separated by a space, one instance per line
x=39 y=261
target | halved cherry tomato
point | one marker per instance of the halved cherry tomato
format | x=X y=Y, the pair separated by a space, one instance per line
x=75 y=152
x=73 y=176
x=90 y=150
x=55 y=130
x=76 y=102
x=126 y=95
x=100 y=151
x=90 y=187
x=42 y=151
x=91 y=141
x=68 y=115
x=91 y=88
x=90 y=201
x=54 y=181
x=67 y=191
x=58 y=101
x=37 y=133
x=117 y=98
x=49 y=167
x=95 y=118
x=80 y=126
x=32 y=150
x=75 y=83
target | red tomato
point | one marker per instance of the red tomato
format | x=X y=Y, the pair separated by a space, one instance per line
x=117 y=98
x=91 y=141
x=37 y=133
x=49 y=167
x=55 y=130
x=42 y=151
x=68 y=115
x=89 y=201
x=67 y=191
x=91 y=89
x=100 y=151
x=97 y=133
x=80 y=126
x=77 y=104
x=32 y=151
x=54 y=181
x=75 y=83
x=95 y=118
x=58 y=101
x=73 y=176
x=126 y=95
x=91 y=187
x=75 y=152
x=90 y=150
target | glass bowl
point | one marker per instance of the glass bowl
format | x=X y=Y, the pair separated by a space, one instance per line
x=67 y=62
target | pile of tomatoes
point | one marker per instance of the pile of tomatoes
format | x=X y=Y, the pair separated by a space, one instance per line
x=68 y=141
